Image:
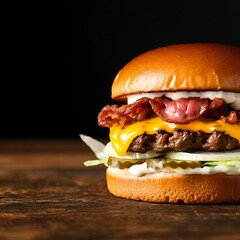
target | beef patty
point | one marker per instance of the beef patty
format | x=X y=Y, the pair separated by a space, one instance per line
x=182 y=140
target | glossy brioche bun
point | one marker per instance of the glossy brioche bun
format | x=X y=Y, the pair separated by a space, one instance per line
x=172 y=188
x=196 y=66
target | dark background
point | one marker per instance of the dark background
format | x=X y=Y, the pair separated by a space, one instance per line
x=60 y=57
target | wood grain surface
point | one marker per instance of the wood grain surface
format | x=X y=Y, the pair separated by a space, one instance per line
x=47 y=193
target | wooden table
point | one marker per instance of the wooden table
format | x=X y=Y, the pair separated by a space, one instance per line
x=47 y=193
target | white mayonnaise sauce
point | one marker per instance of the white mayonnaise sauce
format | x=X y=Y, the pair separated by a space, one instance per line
x=139 y=170
x=232 y=98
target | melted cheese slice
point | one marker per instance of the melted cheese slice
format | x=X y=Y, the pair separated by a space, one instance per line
x=122 y=138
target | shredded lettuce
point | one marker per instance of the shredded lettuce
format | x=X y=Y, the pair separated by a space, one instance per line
x=95 y=162
x=97 y=148
x=95 y=145
x=232 y=163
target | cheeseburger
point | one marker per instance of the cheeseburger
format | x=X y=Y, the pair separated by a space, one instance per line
x=175 y=137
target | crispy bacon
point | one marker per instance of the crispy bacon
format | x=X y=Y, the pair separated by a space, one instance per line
x=125 y=114
x=218 y=108
x=231 y=118
x=182 y=111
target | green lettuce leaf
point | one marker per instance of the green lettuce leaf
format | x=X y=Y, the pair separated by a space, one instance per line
x=232 y=163
x=95 y=162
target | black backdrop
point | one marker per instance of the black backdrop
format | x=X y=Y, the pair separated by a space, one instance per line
x=60 y=57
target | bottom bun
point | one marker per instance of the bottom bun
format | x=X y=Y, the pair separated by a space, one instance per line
x=173 y=188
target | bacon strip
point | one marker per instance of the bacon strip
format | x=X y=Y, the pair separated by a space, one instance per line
x=182 y=111
x=125 y=114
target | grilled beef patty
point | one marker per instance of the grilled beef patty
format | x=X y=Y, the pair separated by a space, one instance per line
x=182 y=140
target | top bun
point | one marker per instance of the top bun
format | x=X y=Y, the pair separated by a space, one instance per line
x=185 y=67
